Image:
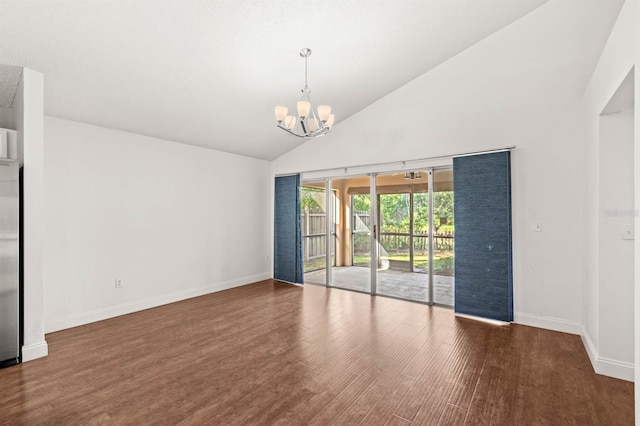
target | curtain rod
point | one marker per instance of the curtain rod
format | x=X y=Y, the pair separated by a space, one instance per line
x=463 y=154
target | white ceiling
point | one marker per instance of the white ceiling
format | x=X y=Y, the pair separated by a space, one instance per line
x=209 y=73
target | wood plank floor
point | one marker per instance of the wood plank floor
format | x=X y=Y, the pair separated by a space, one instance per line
x=271 y=353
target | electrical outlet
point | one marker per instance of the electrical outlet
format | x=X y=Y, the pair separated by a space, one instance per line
x=118 y=283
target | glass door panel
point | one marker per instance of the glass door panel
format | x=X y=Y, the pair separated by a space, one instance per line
x=348 y=229
x=421 y=232
x=396 y=272
x=443 y=241
x=361 y=230
x=394 y=239
x=313 y=221
x=354 y=274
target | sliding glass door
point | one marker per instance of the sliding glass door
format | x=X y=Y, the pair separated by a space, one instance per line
x=396 y=274
x=420 y=238
x=317 y=220
x=443 y=237
x=353 y=266
x=391 y=234
x=362 y=224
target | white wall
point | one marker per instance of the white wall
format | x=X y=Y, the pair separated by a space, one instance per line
x=27 y=114
x=616 y=214
x=610 y=141
x=5 y=118
x=171 y=221
x=498 y=93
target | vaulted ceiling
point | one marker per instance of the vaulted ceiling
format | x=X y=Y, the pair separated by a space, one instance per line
x=9 y=81
x=208 y=73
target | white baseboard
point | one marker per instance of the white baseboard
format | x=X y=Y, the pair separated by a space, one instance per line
x=549 y=323
x=75 y=320
x=35 y=351
x=614 y=368
x=592 y=352
x=606 y=366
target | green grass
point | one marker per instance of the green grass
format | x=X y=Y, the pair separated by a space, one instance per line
x=315 y=264
x=442 y=261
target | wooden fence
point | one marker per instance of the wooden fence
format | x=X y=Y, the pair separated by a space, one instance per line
x=314 y=236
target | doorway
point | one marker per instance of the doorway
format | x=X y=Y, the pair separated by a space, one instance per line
x=416 y=235
x=392 y=235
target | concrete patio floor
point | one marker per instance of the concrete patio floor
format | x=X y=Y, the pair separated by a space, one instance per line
x=391 y=282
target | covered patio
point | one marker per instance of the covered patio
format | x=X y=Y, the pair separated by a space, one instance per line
x=391 y=282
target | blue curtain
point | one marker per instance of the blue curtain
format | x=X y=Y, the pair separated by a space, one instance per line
x=482 y=214
x=287 y=250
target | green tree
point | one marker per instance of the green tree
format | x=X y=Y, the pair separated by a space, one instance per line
x=361 y=203
x=394 y=212
x=421 y=213
x=361 y=206
x=312 y=198
x=442 y=208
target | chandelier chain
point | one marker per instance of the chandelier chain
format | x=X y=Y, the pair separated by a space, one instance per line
x=306 y=85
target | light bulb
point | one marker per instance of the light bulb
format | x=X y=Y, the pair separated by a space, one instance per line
x=303 y=108
x=323 y=112
x=313 y=124
x=290 y=121
x=281 y=113
x=330 y=120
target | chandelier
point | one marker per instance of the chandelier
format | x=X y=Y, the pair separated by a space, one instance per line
x=307 y=124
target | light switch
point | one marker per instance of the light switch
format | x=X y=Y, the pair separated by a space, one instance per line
x=537 y=227
x=627 y=232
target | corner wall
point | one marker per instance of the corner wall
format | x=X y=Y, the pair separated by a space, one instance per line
x=615 y=248
x=27 y=115
x=609 y=324
x=171 y=221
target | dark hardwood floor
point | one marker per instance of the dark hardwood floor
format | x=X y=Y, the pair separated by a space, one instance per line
x=271 y=353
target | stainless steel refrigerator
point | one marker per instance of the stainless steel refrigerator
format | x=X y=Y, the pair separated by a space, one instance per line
x=9 y=262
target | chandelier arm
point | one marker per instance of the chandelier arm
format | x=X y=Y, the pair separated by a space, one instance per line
x=319 y=132
x=290 y=132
